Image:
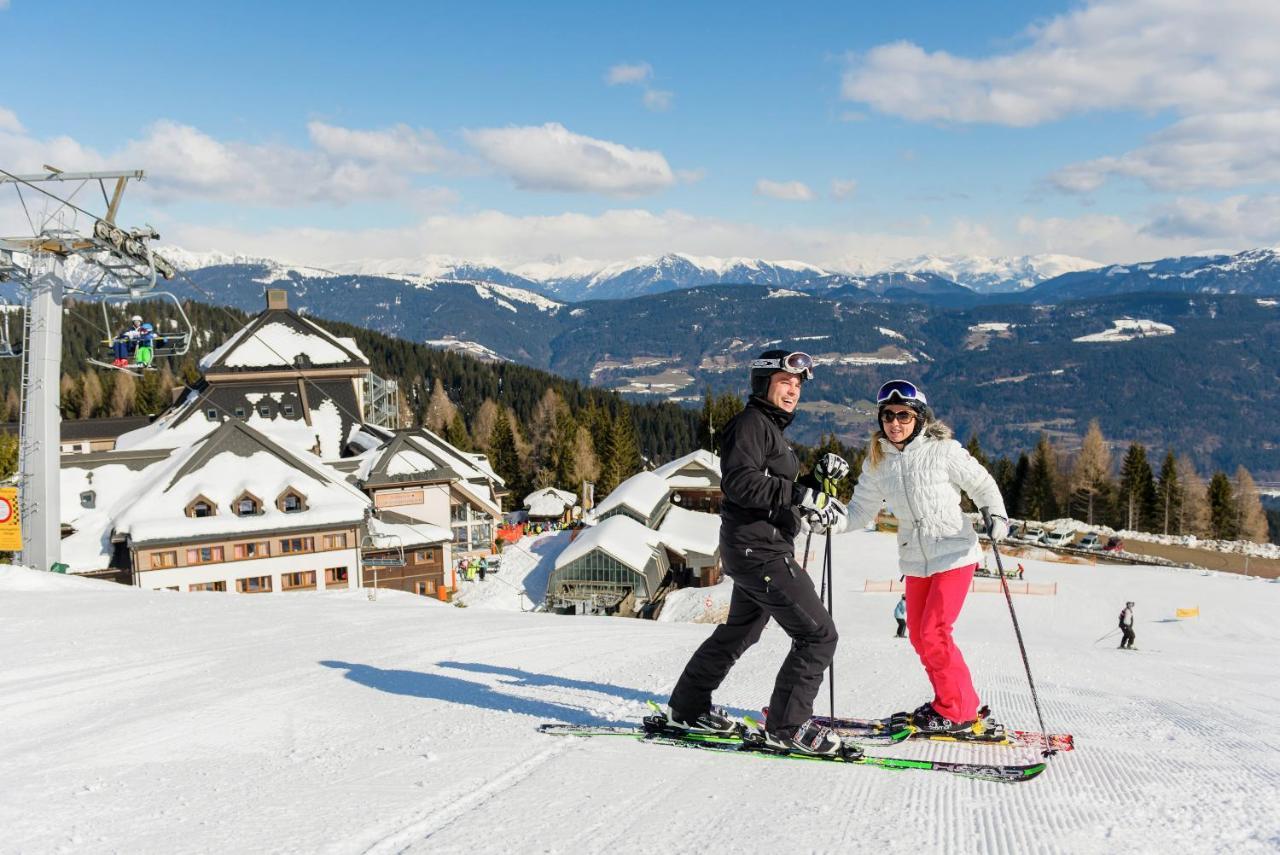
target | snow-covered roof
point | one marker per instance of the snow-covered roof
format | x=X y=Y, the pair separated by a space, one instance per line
x=622 y=537
x=233 y=460
x=698 y=468
x=687 y=531
x=276 y=339
x=115 y=487
x=549 y=502
x=642 y=493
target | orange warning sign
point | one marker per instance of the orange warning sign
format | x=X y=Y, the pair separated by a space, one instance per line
x=10 y=525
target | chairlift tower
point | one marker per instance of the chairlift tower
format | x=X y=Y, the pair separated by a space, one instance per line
x=124 y=264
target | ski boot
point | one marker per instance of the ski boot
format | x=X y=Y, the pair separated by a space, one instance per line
x=927 y=720
x=715 y=721
x=810 y=739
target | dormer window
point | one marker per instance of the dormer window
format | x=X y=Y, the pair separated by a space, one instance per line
x=239 y=412
x=247 y=505
x=264 y=411
x=287 y=409
x=201 y=506
x=211 y=414
x=292 y=502
x=302 y=360
x=88 y=499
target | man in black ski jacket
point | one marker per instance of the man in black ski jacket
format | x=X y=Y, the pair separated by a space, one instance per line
x=759 y=519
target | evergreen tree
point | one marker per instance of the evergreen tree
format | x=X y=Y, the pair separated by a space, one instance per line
x=1169 y=496
x=8 y=455
x=456 y=433
x=68 y=397
x=149 y=397
x=503 y=456
x=975 y=451
x=1137 y=495
x=1015 y=499
x=1041 y=492
x=1251 y=519
x=716 y=413
x=1222 y=508
x=1003 y=471
x=622 y=459
x=1091 y=474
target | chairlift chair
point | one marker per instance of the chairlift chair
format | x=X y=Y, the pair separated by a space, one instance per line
x=393 y=544
x=116 y=309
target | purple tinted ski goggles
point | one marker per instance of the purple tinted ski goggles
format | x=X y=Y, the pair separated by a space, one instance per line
x=902 y=390
x=793 y=363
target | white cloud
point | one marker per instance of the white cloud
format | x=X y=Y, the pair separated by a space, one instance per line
x=1146 y=55
x=184 y=163
x=1237 y=219
x=658 y=100
x=9 y=120
x=628 y=73
x=842 y=188
x=551 y=157
x=788 y=191
x=399 y=146
x=1210 y=150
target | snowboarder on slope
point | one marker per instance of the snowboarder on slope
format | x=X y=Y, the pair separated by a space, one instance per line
x=1126 y=627
x=759 y=518
x=900 y=615
x=915 y=466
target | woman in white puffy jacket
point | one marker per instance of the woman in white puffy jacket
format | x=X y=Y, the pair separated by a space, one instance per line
x=915 y=467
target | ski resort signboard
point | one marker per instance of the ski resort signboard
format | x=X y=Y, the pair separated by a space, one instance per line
x=10 y=524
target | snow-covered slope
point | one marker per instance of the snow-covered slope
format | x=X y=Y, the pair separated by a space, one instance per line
x=140 y=721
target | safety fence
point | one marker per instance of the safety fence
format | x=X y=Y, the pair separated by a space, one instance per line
x=978 y=586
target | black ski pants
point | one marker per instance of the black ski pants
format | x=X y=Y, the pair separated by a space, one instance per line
x=777 y=588
x=1126 y=640
x=902 y=627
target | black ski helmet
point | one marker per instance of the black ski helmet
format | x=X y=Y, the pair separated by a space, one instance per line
x=771 y=362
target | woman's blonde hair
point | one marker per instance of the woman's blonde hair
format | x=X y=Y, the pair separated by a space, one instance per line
x=876 y=452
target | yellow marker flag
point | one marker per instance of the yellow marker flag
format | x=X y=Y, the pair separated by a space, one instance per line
x=10 y=525
x=1183 y=613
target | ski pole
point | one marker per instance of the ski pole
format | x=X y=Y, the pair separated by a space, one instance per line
x=828 y=585
x=1105 y=636
x=1017 y=631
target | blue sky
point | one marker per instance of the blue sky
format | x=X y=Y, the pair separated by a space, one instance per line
x=842 y=134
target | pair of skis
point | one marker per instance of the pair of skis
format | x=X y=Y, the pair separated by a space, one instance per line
x=656 y=730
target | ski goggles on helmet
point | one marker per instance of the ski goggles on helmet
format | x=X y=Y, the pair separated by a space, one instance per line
x=792 y=363
x=902 y=390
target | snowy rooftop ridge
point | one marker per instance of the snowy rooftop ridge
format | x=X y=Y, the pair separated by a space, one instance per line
x=642 y=493
x=620 y=536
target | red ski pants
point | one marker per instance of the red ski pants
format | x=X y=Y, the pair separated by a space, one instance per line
x=933 y=604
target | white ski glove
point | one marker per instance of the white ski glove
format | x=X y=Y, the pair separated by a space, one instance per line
x=822 y=510
x=998 y=529
x=829 y=469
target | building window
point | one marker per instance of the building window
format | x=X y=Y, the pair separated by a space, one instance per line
x=211 y=414
x=420 y=588
x=247 y=505
x=88 y=499
x=335 y=541
x=297 y=544
x=460 y=535
x=208 y=586
x=204 y=555
x=160 y=560
x=291 y=501
x=264 y=411
x=254 y=585
x=239 y=412
x=298 y=581
x=260 y=549
x=457 y=513
x=287 y=409
x=422 y=555
x=335 y=576
x=201 y=506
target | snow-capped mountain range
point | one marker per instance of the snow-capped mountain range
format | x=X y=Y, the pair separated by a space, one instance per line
x=581 y=279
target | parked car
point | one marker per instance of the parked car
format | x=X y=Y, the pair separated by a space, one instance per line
x=1114 y=544
x=1030 y=533
x=1089 y=541
x=1059 y=539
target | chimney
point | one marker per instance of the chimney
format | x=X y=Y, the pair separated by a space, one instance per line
x=277 y=298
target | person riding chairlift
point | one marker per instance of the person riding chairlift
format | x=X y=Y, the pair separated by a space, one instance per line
x=126 y=341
